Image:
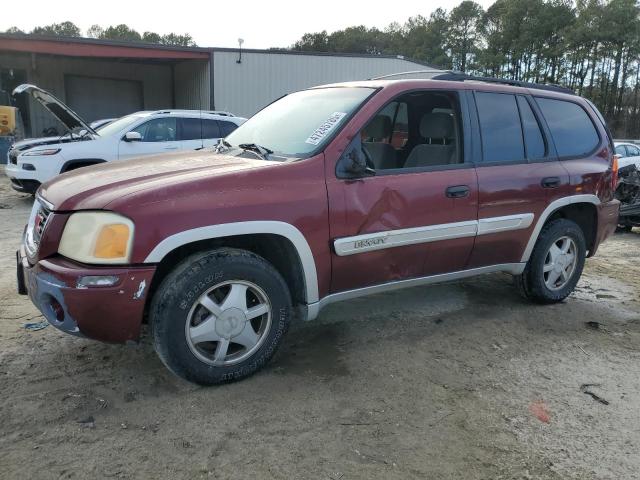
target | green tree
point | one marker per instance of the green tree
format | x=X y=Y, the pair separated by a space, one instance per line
x=14 y=30
x=463 y=34
x=64 y=29
x=121 y=32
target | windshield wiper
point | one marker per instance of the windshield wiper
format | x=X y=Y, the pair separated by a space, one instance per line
x=264 y=152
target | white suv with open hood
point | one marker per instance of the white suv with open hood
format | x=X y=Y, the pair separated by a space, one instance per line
x=33 y=162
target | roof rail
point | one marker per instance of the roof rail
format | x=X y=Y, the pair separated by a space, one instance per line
x=408 y=73
x=192 y=110
x=461 y=77
x=454 y=76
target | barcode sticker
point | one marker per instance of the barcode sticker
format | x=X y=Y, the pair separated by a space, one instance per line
x=329 y=124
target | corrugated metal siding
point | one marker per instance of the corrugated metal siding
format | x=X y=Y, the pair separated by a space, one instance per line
x=244 y=88
x=191 y=81
x=48 y=73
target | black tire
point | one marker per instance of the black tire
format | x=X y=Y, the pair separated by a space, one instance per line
x=178 y=292
x=531 y=282
x=624 y=228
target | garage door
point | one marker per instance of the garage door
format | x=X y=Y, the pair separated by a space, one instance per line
x=95 y=98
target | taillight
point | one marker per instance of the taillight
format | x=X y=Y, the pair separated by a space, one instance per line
x=614 y=172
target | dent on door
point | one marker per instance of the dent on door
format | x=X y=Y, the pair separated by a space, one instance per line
x=392 y=227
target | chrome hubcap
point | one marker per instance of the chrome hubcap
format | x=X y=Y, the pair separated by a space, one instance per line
x=560 y=263
x=228 y=323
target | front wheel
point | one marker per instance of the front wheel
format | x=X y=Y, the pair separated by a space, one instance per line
x=556 y=263
x=220 y=316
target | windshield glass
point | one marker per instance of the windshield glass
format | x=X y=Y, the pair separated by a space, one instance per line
x=302 y=122
x=117 y=125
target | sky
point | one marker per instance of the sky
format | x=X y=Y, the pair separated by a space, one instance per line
x=262 y=24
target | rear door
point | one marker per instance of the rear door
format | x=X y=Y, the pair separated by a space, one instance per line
x=159 y=135
x=210 y=132
x=518 y=174
x=190 y=133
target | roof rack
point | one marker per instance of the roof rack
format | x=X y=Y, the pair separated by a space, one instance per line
x=453 y=76
x=193 y=110
x=461 y=77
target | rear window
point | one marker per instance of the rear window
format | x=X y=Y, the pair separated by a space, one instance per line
x=210 y=129
x=190 y=129
x=226 y=127
x=572 y=130
x=533 y=139
x=500 y=127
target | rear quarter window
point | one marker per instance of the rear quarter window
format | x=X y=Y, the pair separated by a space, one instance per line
x=571 y=127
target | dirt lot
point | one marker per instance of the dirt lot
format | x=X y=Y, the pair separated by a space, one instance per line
x=464 y=380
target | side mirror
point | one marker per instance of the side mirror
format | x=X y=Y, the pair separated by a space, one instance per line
x=355 y=164
x=132 y=137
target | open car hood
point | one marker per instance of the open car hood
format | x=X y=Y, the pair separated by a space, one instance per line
x=62 y=112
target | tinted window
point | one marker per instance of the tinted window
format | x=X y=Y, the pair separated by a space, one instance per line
x=191 y=129
x=633 y=151
x=226 y=128
x=533 y=139
x=500 y=127
x=210 y=129
x=572 y=130
x=158 y=130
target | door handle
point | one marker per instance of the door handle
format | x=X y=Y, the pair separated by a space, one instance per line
x=457 y=191
x=550 y=182
x=170 y=148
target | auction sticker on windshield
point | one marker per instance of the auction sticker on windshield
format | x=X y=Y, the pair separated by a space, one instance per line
x=329 y=124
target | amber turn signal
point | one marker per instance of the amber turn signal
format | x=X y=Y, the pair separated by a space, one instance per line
x=112 y=241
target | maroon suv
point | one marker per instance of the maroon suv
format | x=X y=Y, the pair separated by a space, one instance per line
x=327 y=194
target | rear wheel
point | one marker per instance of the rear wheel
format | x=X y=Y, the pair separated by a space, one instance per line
x=556 y=263
x=220 y=316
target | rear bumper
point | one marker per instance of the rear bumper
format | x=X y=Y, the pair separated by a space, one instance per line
x=109 y=314
x=607 y=222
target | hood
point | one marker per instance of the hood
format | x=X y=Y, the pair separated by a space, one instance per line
x=96 y=186
x=68 y=117
x=37 y=142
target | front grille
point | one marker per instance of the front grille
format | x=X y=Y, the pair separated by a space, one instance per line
x=35 y=229
x=40 y=222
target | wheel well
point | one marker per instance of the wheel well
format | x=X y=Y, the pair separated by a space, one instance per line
x=583 y=214
x=75 y=164
x=276 y=249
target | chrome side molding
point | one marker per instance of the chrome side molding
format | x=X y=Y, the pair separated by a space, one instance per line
x=430 y=233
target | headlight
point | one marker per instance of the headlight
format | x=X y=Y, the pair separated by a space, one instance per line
x=97 y=237
x=42 y=151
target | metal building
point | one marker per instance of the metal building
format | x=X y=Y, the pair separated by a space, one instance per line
x=103 y=79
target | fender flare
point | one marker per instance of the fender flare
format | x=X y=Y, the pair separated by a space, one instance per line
x=282 y=229
x=71 y=163
x=551 y=208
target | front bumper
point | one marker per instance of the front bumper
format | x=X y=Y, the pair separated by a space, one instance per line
x=23 y=181
x=110 y=314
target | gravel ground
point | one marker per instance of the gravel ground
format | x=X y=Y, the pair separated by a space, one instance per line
x=464 y=380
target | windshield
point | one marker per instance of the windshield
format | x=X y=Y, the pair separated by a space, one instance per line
x=302 y=122
x=117 y=125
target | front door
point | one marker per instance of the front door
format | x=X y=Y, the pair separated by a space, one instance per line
x=414 y=213
x=158 y=135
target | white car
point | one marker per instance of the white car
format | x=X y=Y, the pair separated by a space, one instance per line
x=629 y=153
x=33 y=162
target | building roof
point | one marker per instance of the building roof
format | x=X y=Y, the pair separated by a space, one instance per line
x=91 y=47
